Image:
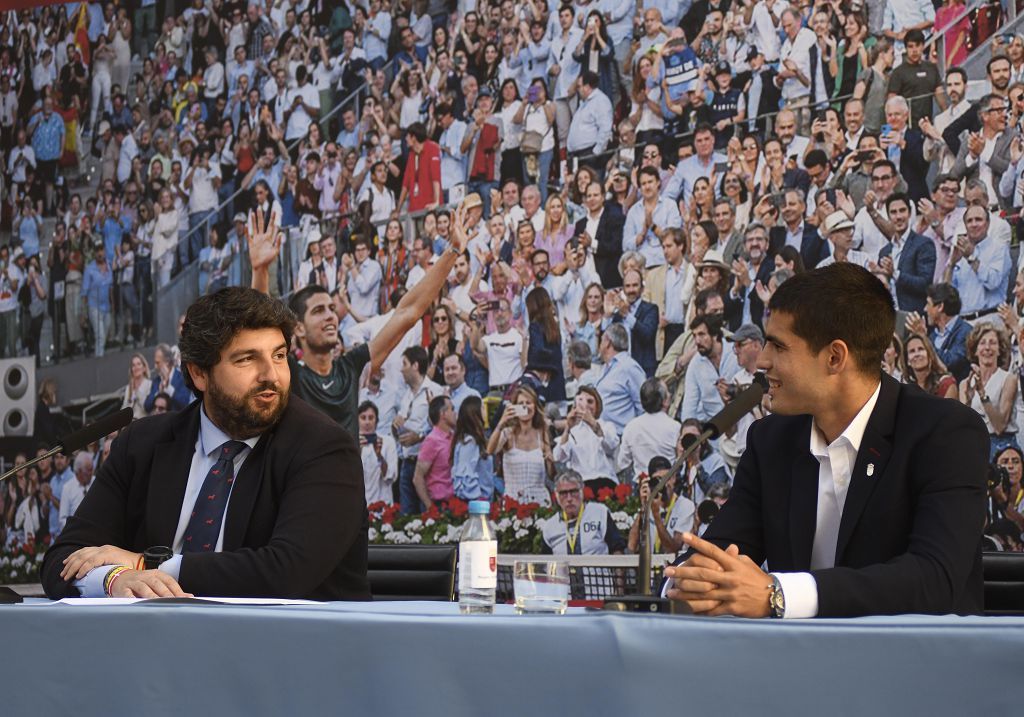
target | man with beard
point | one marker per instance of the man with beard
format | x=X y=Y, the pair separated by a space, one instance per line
x=162 y=517
x=715 y=360
x=327 y=381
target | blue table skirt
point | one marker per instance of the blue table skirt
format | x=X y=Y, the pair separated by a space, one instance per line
x=410 y=659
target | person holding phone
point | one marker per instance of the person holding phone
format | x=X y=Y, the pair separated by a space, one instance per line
x=379 y=455
x=521 y=445
x=588 y=444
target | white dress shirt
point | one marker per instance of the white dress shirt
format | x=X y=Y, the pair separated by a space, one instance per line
x=835 y=471
x=587 y=453
x=646 y=436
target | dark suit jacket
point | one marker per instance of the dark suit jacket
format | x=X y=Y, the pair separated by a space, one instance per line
x=813 y=248
x=734 y=306
x=181 y=398
x=643 y=336
x=913 y=166
x=953 y=348
x=916 y=270
x=607 y=244
x=910 y=534
x=296 y=524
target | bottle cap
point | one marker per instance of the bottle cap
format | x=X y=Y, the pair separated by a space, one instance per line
x=479 y=507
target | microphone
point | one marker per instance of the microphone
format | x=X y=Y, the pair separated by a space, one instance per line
x=79 y=439
x=85 y=435
x=744 y=402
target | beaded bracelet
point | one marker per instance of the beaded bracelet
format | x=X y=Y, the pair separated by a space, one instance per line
x=111 y=576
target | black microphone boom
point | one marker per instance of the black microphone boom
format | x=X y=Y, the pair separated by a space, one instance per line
x=85 y=435
x=79 y=439
x=745 y=401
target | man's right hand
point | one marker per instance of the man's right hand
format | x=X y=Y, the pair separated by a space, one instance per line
x=146 y=584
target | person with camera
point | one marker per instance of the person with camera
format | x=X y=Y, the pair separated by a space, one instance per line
x=521 y=447
x=1006 y=496
x=671 y=514
x=379 y=456
x=587 y=444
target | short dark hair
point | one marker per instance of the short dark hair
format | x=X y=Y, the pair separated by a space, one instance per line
x=368 y=406
x=957 y=71
x=166 y=398
x=650 y=171
x=897 y=197
x=816 y=158
x=947 y=295
x=300 y=299
x=435 y=408
x=830 y=303
x=915 y=36
x=713 y=322
x=417 y=356
x=417 y=131
x=703 y=296
x=993 y=60
x=941 y=179
x=590 y=79
x=214 y=320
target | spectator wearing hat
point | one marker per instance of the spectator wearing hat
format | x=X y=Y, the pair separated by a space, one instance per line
x=727 y=109
x=838 y=229
x=587 y=444
x=747 y=342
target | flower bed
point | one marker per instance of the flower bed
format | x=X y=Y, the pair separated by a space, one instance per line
x=20 y=562
x=516 y=523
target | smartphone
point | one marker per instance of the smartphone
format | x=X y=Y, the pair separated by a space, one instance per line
x=493 y=305
x=721 y=167
x=864 y=155
x=370 y=438
x=886 y=128
x=520 y=411
x=778 y=199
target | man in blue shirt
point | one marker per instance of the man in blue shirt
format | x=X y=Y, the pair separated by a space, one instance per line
x=979 y=266
x=619 y=383
x=47 y=130
x=62 y=473
x=650 y=219
x=715 y=362
x=591 y=126
x=96 y=293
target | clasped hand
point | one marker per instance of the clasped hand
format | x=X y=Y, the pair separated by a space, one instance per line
x=720 y=582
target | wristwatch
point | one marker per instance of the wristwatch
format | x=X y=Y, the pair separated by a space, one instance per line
x=776 y=599
x=155 y=556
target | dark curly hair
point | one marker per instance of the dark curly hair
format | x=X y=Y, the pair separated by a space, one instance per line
x=215 y=319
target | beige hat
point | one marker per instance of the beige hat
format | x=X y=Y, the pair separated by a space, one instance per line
x=836 y=221
x=713 y=257
x=472 y=201
x=103 y=128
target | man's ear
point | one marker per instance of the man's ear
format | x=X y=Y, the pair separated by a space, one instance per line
x=198 y=375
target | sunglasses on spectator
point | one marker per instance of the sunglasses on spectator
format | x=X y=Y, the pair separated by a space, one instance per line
x=440 y=318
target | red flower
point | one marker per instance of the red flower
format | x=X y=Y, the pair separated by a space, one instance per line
x=458 y=507
x=604 y=494
x=495 y=510
x=432 y=513
x=588 y=493
x=526 y=510
x=377 y=507
x=623 y=491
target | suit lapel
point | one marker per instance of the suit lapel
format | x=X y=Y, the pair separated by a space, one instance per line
x=169 y=476
x=803 y=503
x=875 y=449
x=243 y=495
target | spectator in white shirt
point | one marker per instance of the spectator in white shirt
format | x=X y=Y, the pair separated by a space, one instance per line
x=794 y=76
x=652 y=433
x=587 y=445
x=363 y=276
x=304 y=106
x=213 y=78
x=74 y=490
x=379 y=455
x=503 y=353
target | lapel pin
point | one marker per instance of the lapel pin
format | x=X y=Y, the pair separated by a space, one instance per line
x=871 y=469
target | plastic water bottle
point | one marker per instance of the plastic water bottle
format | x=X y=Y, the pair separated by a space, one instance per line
x=478 y=561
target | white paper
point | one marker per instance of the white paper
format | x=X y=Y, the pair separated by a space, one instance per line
x=229 y=600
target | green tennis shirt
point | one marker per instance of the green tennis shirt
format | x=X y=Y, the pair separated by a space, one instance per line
x=336 y=394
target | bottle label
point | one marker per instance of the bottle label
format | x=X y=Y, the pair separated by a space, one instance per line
x=478 y=565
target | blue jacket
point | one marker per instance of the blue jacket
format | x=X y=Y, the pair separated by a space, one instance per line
x=952 y=349
x=643 y=336
x=181 y=398
x=915 y=271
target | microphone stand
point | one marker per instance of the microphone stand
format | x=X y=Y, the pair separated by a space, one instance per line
x=28 y=464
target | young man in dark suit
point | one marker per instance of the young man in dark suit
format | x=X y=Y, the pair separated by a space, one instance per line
x=864 y=495
x=639 y=316
x=166 y=517
x=915 y=254
x=601 y=229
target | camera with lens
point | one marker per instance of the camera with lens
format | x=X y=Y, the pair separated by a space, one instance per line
x=706 y=511
x=998 y=477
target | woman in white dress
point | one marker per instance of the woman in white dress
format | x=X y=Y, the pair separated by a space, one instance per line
x=522 y=445
x=121 y=39
x=165 y=237
x=139 y=384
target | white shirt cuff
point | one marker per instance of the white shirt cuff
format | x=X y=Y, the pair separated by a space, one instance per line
x=91 y=586
x=801 y=594
x=172 y=566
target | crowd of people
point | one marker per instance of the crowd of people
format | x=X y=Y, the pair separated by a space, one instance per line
x=630 y=185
